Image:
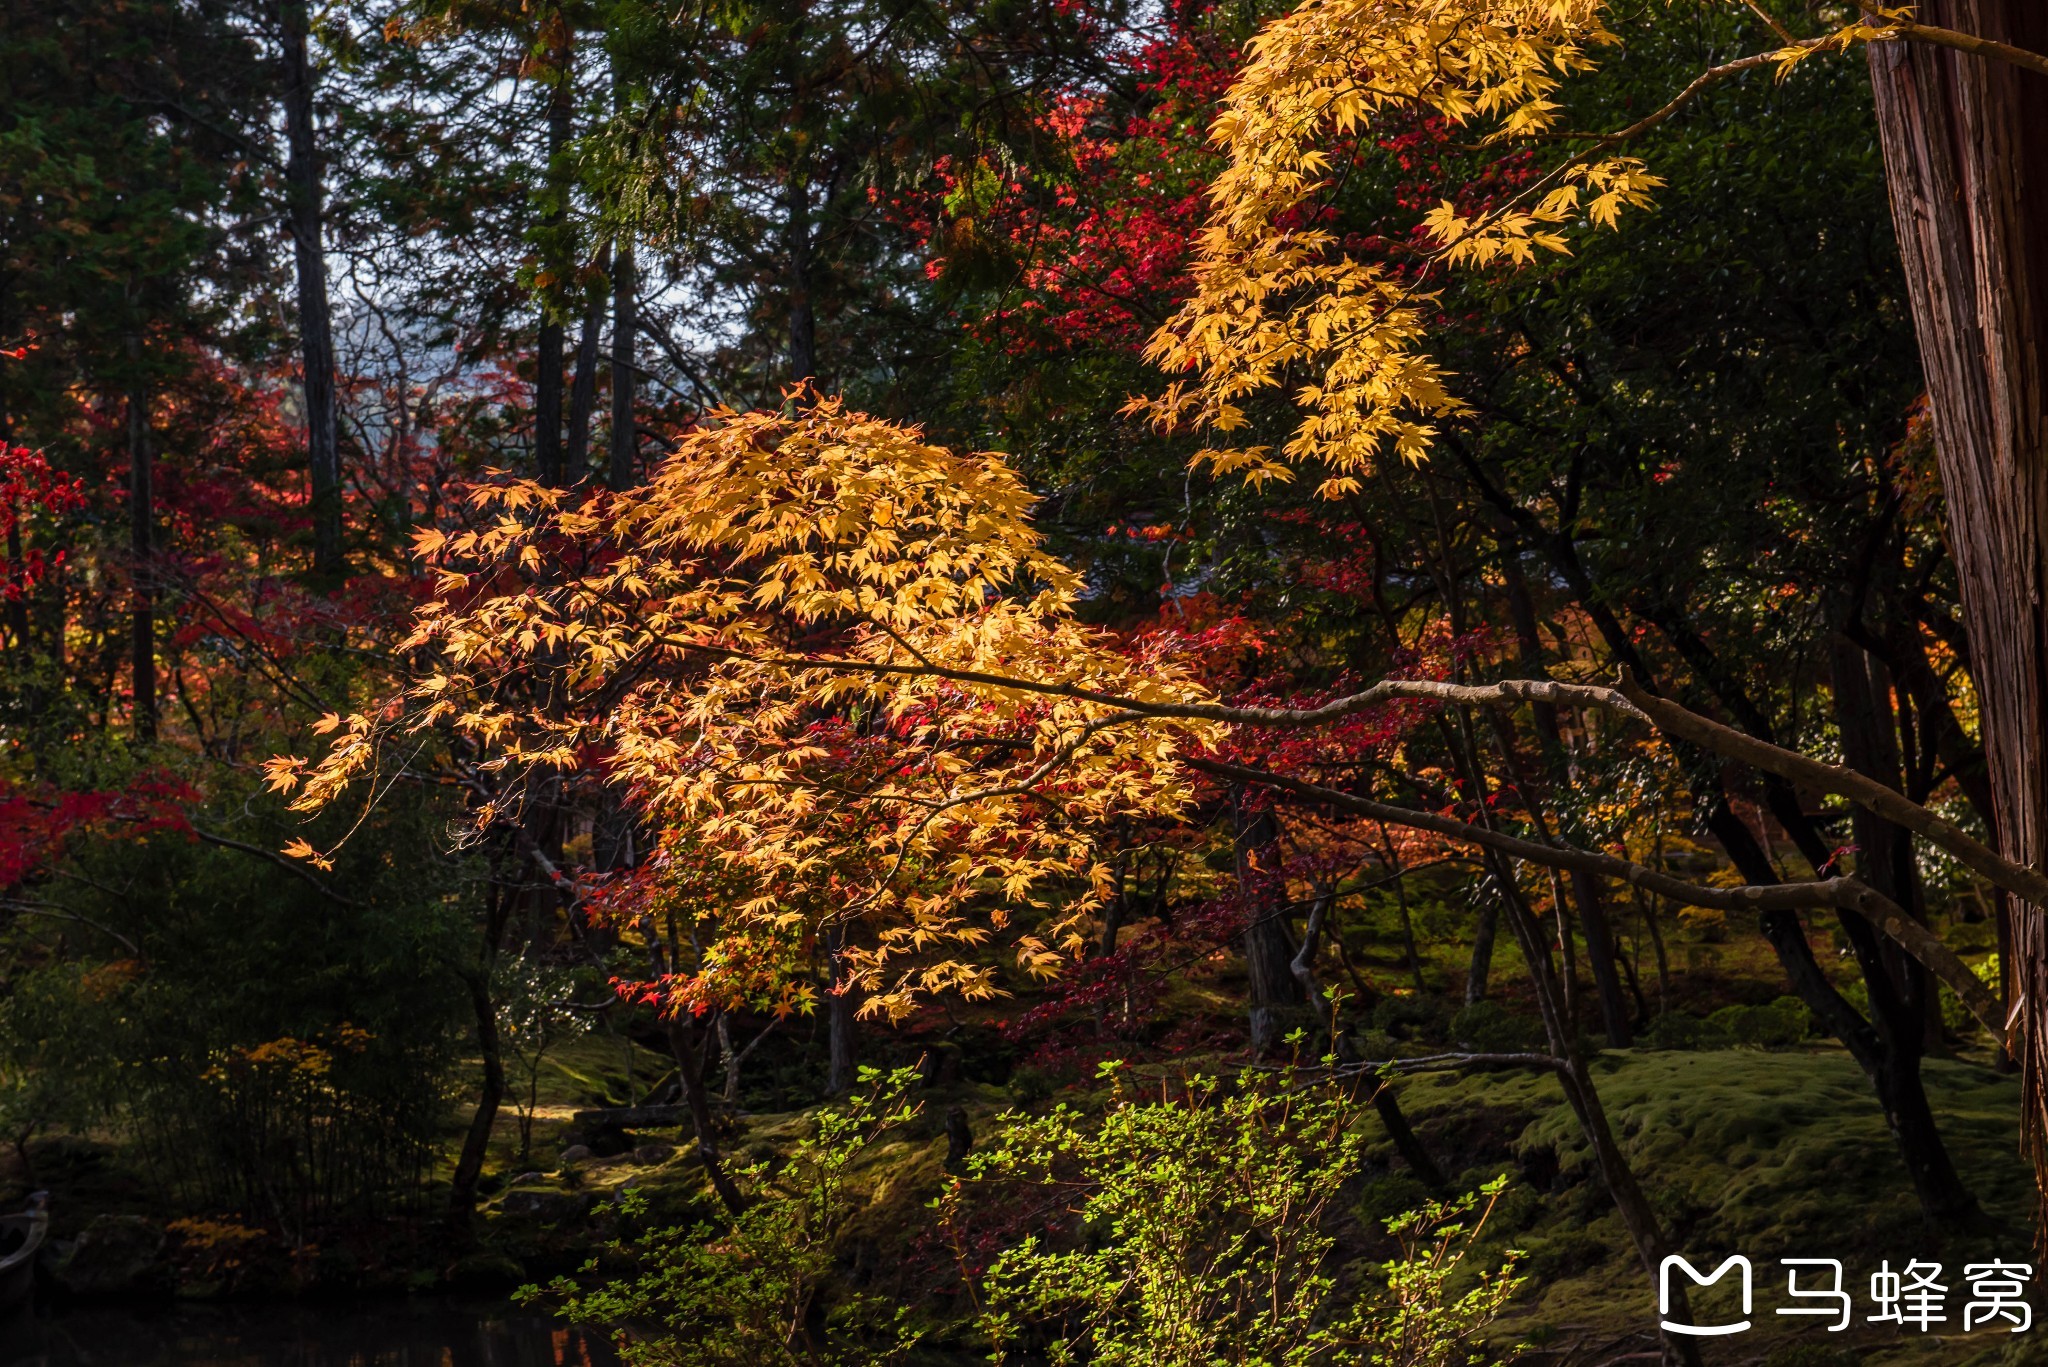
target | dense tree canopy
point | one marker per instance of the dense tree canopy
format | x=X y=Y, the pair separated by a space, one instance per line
x=1031 y=513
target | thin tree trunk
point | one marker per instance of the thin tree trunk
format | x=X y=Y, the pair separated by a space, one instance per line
x=1271 y=989
x=1966 y=156
x=1600 y=952
x=729 y=1060
x=803 y=320
x=1585 y=888
x=307 y=214
x=689 y=1057
x=842 y=1026
x=1899 y=1090
x=1567 y=950
x=141 y=517
x=1902 y=997
x=17 y=607
x=547 y=388
x=1399 y=876
x=583 y=393
x=625 y=439
x=1405 y=1143
x=1483 y=936
x=1302 y=967
x=469 y=1166
x=1649 y=913
x=1638 y=1217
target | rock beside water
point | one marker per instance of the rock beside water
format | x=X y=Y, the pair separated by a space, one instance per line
x=117 y=1255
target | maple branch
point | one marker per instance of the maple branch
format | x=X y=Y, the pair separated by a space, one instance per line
x=1838 y=893
x=305 y=874
x=1712 y=76
x=1627 y=699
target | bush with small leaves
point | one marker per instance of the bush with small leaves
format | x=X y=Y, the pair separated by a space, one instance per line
x=754 y=1289
x=1203 y=1233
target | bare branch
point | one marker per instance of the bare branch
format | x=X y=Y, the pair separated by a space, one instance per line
x=292 y=866
x=22 y=908
x=1867 y=793
x=1628 y=699
x=1961 y=42
x=1839 y=894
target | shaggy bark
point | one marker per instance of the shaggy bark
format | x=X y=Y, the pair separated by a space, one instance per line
x=1965 y=143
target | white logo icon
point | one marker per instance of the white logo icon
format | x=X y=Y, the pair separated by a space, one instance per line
x=1701 y=1330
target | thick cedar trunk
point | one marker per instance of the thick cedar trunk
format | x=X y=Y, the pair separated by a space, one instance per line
x=307 y=210
x=1966 y=155
x=141 y=516
x=625 y=441
x=547 y=387
x=1271 y=989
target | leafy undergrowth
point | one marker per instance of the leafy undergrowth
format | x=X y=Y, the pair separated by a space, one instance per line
x=1769 y=1154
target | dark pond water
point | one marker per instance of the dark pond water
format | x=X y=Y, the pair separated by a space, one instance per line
x=396 y=1333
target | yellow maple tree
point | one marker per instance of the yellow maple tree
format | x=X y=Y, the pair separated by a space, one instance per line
x=1278 y=305
x=803 y=640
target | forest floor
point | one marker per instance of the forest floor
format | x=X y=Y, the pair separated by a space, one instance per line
x=1771 y=1154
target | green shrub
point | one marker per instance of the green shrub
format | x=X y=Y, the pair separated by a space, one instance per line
x=1678 y=1030
x=1206 y=1237
x=752 y=1289
x=1780 y=1025
x=1488 y=1028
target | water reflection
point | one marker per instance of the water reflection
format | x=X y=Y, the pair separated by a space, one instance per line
x=399 y=1333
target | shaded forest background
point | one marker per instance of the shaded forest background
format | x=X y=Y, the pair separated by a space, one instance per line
x=280 y=283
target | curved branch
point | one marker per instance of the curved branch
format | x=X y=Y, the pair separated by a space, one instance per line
x=289 y=865
x=21 y=908
x=1867 y=793
x=1628 y=699
x=1963 y=42
x=1838 y=894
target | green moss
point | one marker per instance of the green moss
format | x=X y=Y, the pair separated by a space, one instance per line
x=1769 y=1154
